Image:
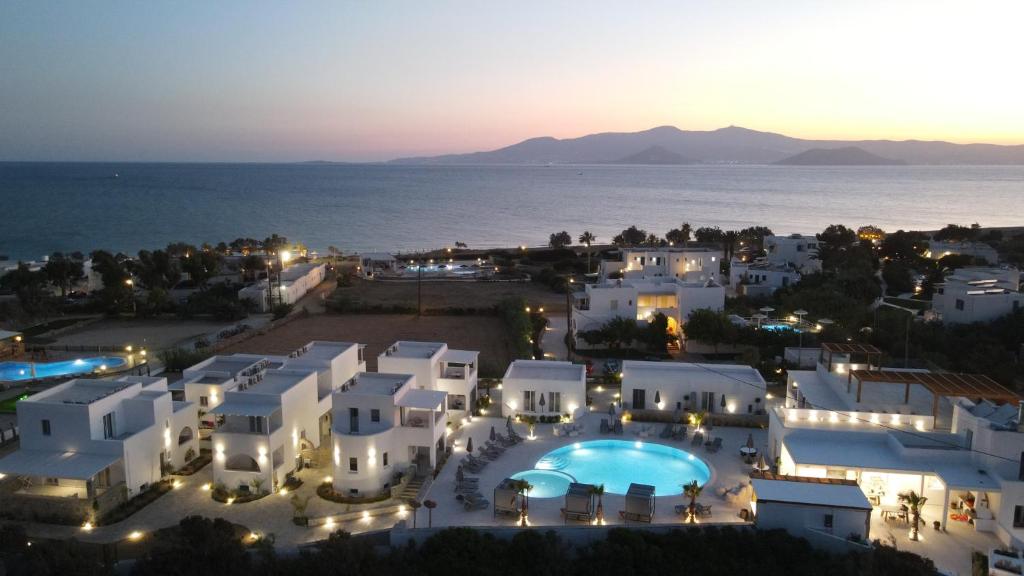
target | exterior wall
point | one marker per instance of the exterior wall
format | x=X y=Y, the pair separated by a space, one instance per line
x=796 y=249
x=426 y=370
x=974 y=307
x=797 y=519
x=614 y=299
x=747 y=274
x=674 y=386
x=573 y=396
x=938 y=249
x=686 y=265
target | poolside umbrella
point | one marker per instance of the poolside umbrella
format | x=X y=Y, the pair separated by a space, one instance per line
x=761 y=465
x=750 y=440
x=508 y=425
x=469 y=445
x=493 y=435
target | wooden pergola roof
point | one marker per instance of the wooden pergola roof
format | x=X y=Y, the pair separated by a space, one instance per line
x=944 y=384
x=848 y=348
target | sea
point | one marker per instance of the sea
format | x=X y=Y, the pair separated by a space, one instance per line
x=49 y=207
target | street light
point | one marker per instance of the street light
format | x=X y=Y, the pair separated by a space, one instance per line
x=131 y=287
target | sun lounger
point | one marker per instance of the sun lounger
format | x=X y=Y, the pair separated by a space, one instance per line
x=679 y=433
x=475 y=502
x=579 y=502
x=639 y=503
x=495 y=447
x=507 y=443
x=698 y=439
x=703 y=511
x=716 y=445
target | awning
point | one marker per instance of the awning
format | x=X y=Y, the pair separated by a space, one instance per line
x=967 y=477
x=423 y=399
x=73 y=465
x=236 y=408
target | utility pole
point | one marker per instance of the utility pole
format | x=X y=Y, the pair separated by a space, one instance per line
x=419 y=288
x=570 y=341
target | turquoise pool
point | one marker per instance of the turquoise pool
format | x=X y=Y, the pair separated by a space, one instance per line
x=15 y=371
x=616 y=464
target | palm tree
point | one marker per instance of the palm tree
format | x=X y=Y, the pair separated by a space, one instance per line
x=599 y=492
x=588 y=239
x=692 y=491
x=915 y=502
x=523 y=488
x=697 y=418
x=415 y=505
x=257 y=485
x=430 y=505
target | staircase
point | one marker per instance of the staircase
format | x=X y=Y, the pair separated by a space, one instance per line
x=673 y=347
x=411 y=490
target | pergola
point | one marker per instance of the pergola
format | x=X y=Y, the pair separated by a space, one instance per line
x=866 y=350
x=940 y=385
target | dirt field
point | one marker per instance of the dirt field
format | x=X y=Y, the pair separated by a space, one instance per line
x=481 y=333
x=454 y=294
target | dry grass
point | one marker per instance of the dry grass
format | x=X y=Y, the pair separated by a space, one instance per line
x=451 y=294
x=486 y=334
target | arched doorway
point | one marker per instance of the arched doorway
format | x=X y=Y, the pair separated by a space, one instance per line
x=185 y=436
x=242 y=463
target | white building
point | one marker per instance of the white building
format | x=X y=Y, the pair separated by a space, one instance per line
x=689 y=264
x=373 y=262
x=544 y=388
x=85 y=437
x=641 y=300
x=797 y=250
x=761 y=278
x=257 y=441
x=436 y=367
x=950 y=437
x=977 y=294
x=939 y=248
x=678 y=386
x=383 y=424
x=821 y=511
x=294 y=282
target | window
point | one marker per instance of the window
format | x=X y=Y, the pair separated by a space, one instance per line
x=1018 y=516
x=204 y=401
x=639 y=399
x=529 y=401
x=353 y=420
x=256 y=424
x=555 y=402
x=353 y=465
x=374 y=415
x=108 y=426
x=46 y=427
x=613 y=305
x=384 y=459
x=959 y=304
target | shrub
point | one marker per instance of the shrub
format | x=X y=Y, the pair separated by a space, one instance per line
x=281 y=310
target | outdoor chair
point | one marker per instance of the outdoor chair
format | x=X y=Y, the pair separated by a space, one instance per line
x=618 y=427
x=698 y=439
x=475 y=502
x=704 y=511
x=679 y=433
x=714 y=446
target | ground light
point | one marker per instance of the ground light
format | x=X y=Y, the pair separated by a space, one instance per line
x=135 y=536
x=87 y=526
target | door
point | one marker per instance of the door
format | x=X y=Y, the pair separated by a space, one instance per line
x=353 y=420
x=639 y=399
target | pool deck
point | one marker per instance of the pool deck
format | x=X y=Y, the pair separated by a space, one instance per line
x=727 y=470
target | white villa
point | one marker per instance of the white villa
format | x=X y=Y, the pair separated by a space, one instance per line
x=85 y=438
x=383 y=424
x=939 y=248
x=436 y=367
x=977 y=294
x=678 y=386
x=824 y=511
x=640 y=300
x=689 y=264
x=544 y=388
x=950 y=437
x=296 y=280
x=788 y=257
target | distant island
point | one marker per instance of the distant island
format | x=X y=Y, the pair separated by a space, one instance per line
x=845 y=156
x=731 y=145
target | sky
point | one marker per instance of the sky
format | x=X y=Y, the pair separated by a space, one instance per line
x=374 y=80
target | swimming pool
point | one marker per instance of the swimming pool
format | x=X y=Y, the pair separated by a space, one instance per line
x=780 y=328
x=616 y=464
x=15 y=371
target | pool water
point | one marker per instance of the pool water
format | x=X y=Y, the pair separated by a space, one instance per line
x=16 y=371
x=616 y=464
x=780 y=328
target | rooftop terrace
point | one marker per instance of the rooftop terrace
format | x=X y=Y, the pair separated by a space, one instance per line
x=545 y=370
x=81 y=391
x=377 y=383
x=410 y=349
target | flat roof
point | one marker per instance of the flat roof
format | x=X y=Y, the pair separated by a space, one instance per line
x=325 y=350
x=943 y=384
x=81 y=391
x=546 y=370
x=810 y=491
x=413 y=349
x=460 y=356
x=278 y=381
x=378 y=383
x=706 y=372
x=73 y=465
x=849 y=449
x=848 y=348
x=236 y=407
x=423 y=399
x=5 y=334
x=229 y=364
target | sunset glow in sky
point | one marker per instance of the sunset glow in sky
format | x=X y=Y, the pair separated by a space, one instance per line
x=374 y=80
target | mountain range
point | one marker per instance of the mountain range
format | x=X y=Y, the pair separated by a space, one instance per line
x=732 y=145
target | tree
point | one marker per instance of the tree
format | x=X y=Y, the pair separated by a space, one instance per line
x=618 y=331
x=915 y=502
x=201 y=266
x=901 y=245
x=598 y=490
x=116 y=294
x=692 y=491
x=430 y=505
x=832 y=240
x=274 y=243
x=156 y=269
x=680 y=235
x=63 y=272
x=655 y=334
x=729 y=240
x=560 y=240
x=709 y=234
x=29 y=286
x=957 y=233
x=631 y=236
x=753 y=236
x=898 y=279
x=251 y=266
x=710 y=326
x=586 y=238
x=212 y=548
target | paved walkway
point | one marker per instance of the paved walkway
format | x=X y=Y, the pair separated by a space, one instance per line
x=553 y=341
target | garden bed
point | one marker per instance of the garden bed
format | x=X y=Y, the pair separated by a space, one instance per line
x=194 y=465
x=326 y=491
x=135 y=504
